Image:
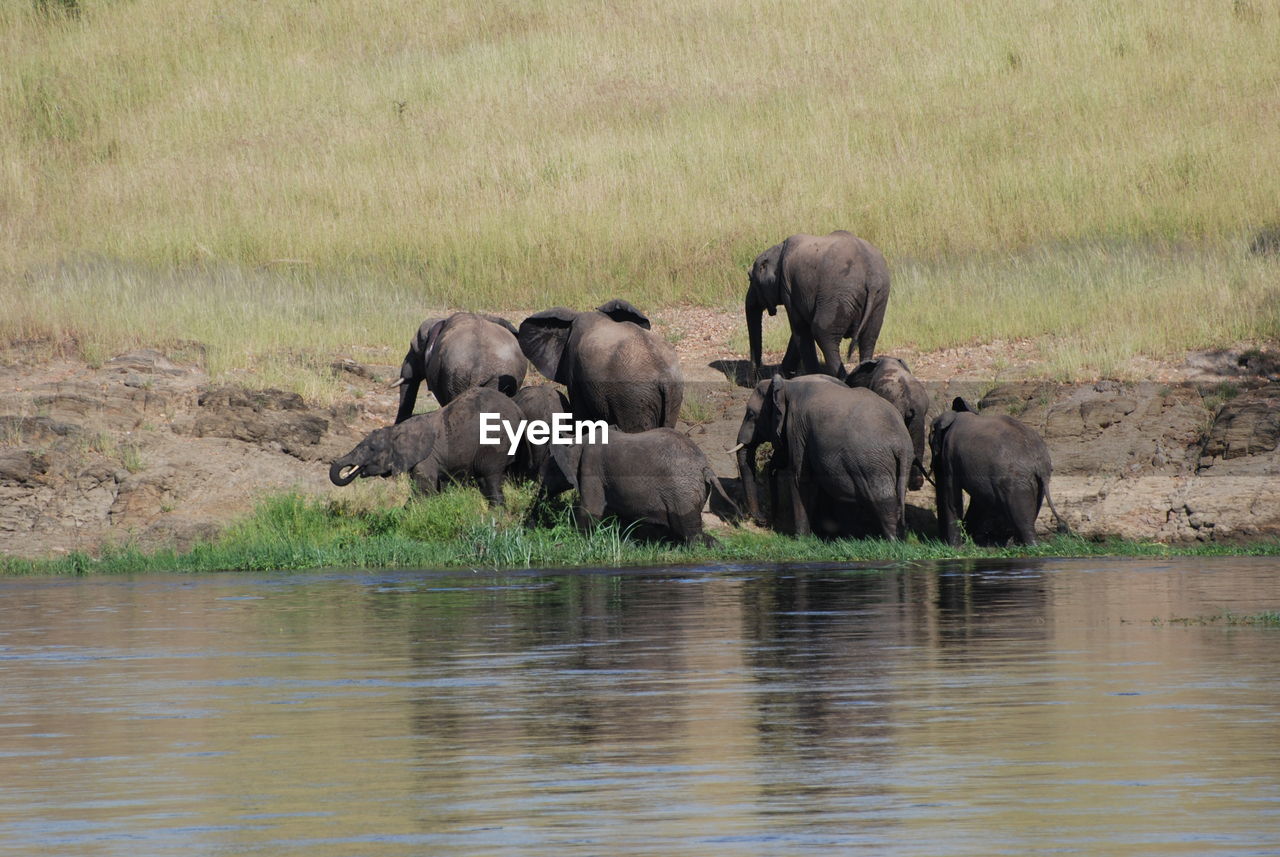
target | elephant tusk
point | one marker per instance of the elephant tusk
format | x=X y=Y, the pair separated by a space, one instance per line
x=350 y=471
x=735 y=449
x=396 y=383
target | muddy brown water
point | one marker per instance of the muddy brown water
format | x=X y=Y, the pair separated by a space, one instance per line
x=975 y=708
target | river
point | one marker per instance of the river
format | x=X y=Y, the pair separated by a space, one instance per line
x=968 y=708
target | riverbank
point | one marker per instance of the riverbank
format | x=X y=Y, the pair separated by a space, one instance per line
x=290 y=532
x=143 y=461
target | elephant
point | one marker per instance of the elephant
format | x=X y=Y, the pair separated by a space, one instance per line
x=614 y=367
x=891 y=379
x=656 y=481
x=840 y=445
x=1001 y=463
x=833 y=287
x=453 y=355
x=444 y=444
x=538 y=403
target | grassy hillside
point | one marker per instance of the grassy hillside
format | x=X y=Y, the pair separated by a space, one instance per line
x=301 y=175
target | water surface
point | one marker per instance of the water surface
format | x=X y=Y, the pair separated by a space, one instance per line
x=969 y=708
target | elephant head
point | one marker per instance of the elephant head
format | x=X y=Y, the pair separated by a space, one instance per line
x=764 y=293
x=413 y=371
x=385 y=452
x=942 y=424
x=560 y=470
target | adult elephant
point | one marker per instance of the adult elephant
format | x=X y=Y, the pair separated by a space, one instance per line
x=655 y=482
x=890 y=378
x=453 y=355
x=839 y=445
x=614 y=367
x=439 y=446
x=1001 y=463
x=833 y=287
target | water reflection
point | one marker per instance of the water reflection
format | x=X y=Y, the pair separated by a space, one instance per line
x=957 y=708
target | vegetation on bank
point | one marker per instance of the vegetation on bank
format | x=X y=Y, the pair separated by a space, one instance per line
x=282 y=182
x=456 y=530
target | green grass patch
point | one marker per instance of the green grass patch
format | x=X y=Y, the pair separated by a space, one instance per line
x=456 y=530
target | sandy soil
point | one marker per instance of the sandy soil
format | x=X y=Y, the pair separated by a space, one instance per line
x=149 y=451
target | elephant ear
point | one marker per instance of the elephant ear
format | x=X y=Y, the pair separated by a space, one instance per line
x=861 y=376
x=960 y=405
x=778 y=394
x=422 y=345
x=560 y=470
x=499 y=320
x=412 y=441
x=620 y=311
x=939 y=429
x=543 y=337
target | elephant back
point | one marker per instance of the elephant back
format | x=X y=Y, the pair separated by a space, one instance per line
x=625 y=375
x=475 y=351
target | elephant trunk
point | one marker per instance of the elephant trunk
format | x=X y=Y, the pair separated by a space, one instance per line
x=408 y=398
x=341 y=473
x=747 y=476
x=755 y=316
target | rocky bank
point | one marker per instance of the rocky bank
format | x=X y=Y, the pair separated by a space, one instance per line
x=146 y=451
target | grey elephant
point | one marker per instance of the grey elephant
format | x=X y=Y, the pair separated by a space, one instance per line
x=655 y=482
x=614 y=367
x=891 y=379
x=1001 y=463
x=839 y=446
x=442 y=445
x=543 y=403
x=453 y=355
x=832 y=286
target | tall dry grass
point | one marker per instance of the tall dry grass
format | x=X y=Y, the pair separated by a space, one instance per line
x=267 y=176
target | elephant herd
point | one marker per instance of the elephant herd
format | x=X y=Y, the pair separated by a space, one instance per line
x=846 y=446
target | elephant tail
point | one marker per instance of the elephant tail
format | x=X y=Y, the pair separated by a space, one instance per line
x=670 y=398
x=1063 y=528
x=713 y=484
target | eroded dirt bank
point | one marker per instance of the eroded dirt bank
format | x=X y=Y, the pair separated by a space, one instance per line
x=151 y=452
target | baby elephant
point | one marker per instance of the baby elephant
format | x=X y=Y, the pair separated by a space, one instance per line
x=891 y=379
x=542 y=403
x=1004 y=467
x=443 y=444
x=657 y=480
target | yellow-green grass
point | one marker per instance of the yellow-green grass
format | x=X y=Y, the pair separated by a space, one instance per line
x=282 y=181
x=1089 y=309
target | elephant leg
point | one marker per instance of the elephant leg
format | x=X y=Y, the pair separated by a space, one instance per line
x=888 y=514
x=949 y=503
x=792 y=360
x=799 y=514
x=1023 y=508
x=985 y=522
x=686 y=529
x=426 y=479
x=802 y=341
x=870 y=331
x=591 y=504
x=829 y=343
